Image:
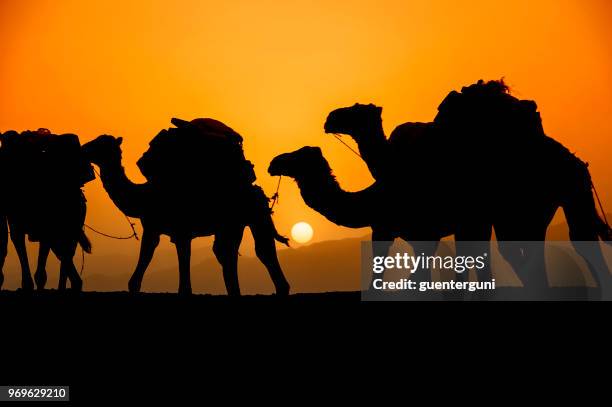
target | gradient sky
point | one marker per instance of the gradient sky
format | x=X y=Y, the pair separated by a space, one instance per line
x=272 y=70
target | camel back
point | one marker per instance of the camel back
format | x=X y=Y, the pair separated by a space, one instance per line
x=203 y=154
x=39 y=159
x=45 y=176
x=488 y=109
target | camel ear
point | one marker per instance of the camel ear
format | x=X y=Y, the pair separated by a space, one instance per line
x=119 y=140
x=316 y=150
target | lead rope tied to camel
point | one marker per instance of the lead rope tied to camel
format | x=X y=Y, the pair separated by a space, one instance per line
x=275 y=196
x=337 y=136
x=82 y=262
x=132 y=225
x=133 y=235
x=601 y=208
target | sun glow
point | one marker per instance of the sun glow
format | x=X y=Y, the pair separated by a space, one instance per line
x=302 y=232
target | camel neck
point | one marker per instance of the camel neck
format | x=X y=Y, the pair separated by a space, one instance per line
x=373 y=147
x=127 y=195
x=322 y=193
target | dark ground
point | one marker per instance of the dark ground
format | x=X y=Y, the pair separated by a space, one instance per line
x=113 y=347
x=123 y=298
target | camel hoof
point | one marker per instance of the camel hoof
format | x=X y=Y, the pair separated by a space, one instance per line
x=184 y=292
x=41 y=280
x=76 y=286
x=134 y=286
x=27 y=286
x=283 y=290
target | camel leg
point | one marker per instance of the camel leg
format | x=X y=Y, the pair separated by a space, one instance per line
x=425 y=248
x=150 y=241
x=18 y=239
x=533 y=275
x=3 y=246
x=526 y=259
x=585 y=241
x=592 y=254
x=67 y=268
x=40 y=276
x=63 y=280
x=473 y=240
x=63 y=277
x=382 y=241
x=511 y=252
x=226 y=248
x=183 y=250
x=265 y=249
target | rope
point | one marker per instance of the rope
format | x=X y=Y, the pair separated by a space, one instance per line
x=603 y=213
x=133 y=235
x=82 y=262
x=132 y=225
x=275 y=196
x=347 y=146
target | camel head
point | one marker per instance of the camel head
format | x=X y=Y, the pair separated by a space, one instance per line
x=354 y=120
x=299 y=163
x=104 y=150
x=8 y=136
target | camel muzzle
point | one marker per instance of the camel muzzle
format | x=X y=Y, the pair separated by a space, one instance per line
x=274 y=168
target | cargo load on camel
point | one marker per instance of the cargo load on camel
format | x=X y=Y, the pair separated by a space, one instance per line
x=47 y=173
x=198 y=163
x=488 y=109
x=45 y=159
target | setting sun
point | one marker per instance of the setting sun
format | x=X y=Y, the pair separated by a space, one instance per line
x=301 y=232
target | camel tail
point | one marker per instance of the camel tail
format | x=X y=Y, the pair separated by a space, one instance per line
x=262 y=215
x=84 y=242
x=604 y=231
x=281 y=238
x=581 y=211
x=277 y=236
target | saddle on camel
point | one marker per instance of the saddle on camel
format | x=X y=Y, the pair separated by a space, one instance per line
x=47 y=172
x=199 y=166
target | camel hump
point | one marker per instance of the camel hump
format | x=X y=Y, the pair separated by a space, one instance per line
x=409 y=134
x=487 y=105
x=203 y=152
x=43 y=158
x=210 y=127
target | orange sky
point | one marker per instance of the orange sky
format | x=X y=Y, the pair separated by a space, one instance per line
x=272 y=70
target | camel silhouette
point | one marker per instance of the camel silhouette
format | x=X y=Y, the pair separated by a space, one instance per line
x=187 y=212
x=375 y=206
x=43 y=199
x=480 y=165
x=486 y=137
